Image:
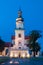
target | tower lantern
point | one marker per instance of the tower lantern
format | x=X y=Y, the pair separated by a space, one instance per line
x=19 y=13
x=19 y=20
x=19 y=31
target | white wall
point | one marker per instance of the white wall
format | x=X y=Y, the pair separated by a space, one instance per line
x=17 y=39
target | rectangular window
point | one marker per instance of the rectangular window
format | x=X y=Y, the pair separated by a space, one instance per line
x=19 y=35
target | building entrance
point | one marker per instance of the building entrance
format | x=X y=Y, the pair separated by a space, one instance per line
x=19 y=55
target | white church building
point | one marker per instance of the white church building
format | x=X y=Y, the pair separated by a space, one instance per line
x=19 y=41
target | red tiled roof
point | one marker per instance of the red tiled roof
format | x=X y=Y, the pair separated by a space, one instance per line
x=8 y=44
x=26 y=37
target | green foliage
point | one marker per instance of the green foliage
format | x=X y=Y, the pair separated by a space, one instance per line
x=2 y=45
x=34 y=35
x=32 y=44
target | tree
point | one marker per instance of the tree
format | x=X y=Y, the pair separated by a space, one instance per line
x=33 y=44
x=2 y=45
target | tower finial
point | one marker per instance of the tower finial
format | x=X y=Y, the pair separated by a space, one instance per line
x=20 y=12
x=19 y=8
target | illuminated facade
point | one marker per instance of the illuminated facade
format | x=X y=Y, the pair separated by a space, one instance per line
x=19 y=41
x=19 y=48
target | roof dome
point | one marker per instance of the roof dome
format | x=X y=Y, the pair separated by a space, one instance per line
x=20 y=18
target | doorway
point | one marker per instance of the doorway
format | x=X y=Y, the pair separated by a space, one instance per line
x=19 y=54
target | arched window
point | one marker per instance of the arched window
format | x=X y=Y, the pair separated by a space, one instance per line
x=6 y=51
x=19 y=35
x=19 y=47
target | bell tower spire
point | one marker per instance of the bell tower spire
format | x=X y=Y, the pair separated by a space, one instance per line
x=19 y=13
x=19 y=20
x=19 y=31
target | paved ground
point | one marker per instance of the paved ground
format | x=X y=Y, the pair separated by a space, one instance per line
x=23 y=62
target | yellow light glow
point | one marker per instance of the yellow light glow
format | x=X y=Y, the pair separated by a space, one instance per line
x=11 y=55
x=16 y=55
x=23 y=55
x=28 y=55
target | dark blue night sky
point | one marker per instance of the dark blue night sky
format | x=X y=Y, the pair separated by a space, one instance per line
x=32 y=13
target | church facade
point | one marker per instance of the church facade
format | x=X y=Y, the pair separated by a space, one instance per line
x=18 y=46
x=19 y=41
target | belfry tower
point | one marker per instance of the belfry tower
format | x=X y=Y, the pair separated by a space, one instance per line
x=19 y=49
x=19 y=31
